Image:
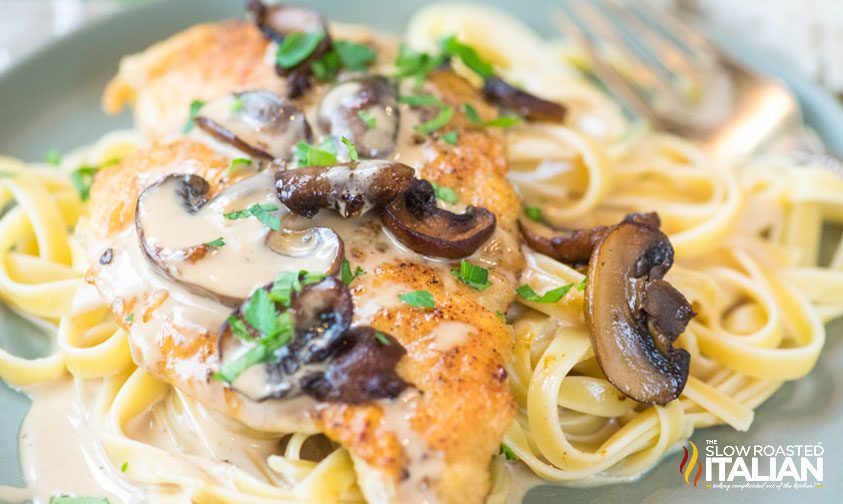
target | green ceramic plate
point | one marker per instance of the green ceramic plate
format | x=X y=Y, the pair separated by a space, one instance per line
x=51 y=99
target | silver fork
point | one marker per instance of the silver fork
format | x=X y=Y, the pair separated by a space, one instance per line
x=662 y=69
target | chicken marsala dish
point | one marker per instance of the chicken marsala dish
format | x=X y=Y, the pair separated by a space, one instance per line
x=333 y=266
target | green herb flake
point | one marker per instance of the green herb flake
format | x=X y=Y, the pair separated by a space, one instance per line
x=239 y=328
x=263 y=348
x=418 y=299
x=421 y=101
x=286 y=282
x=501 y=315
x=507 y=452
x=83 y=179
x=472 y=114
x=368 y=119
x=67 y=499
x=417 y=65
x=551 y=296
x=581 y=285
x=451 y=137
x=236 y=105
x=53 y=157
x=326 y=67
x=446 y=194
x=259 y=312
x=124 y=467
x=259 y=211
x=498 y=122
x=352 y=150
x=129 y=318
x=346 y=275
x=533 y=213
x=468 y=55
x=355 y=57
x=219 y=242
x=441 y=120
x=195 y=106
x=296 y=48
x=472 y=275
x=382 y=339
x=237 y=163
x=308 y=155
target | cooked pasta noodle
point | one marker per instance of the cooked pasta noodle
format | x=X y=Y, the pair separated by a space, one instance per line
x=747 y=237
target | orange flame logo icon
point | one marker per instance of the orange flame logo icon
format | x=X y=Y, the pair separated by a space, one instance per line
x=686 y=467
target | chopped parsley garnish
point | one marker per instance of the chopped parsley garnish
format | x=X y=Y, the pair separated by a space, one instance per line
x=53 y=157
x=324 y=155
x=296 y=48
x=219 y=242
x=472 y=275
x=442 y=118
x=124 y=467
x=551 y=296
x=326 y=67
x=507 y=452
x=533 y=213
x=67 y=499
x=418 y=299
x=259 y=211
x=498 y=122
x=367 y=118
x=422 y=101
x=382 y=339
x=581 y=285
x=417 y=65
x=83 y=179
x=129 y=318
x=283 y=328
x=288 y=282
x=195 y=106
x=352 y=150
x=237 y=163
x=446 y=194
x=239 y=328
x=451 y=137
x=453 y=47
x=346 y=275
x=259 y=312
x=501 y=315
x=354 y=56
x=236 y=105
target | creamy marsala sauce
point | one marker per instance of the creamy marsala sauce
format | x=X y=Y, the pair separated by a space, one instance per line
x=61 y=451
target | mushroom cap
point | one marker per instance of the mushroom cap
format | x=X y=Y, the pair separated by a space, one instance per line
x=416 y=221
x=521 y=102
x=625 y=271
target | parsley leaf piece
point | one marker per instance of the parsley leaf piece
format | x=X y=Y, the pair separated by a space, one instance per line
x=129 y=318
x=446 y=194
x=326 y=67
x=236 y=105
x=346 y=274
x=469 y=57
x=507 y=452
x=382 y=339
x=352 y=150
x=53 y=157
x=472 y=114
x=195 y=106
x=503 y=122
x=259 y=211
x=296 y=47
x=501 y=315
x=308 y=155
x=421 y=101
x=368 y=119
x=472 y=275
x=124 y=467
x=83 y=179
x=442 y=118
x=354 y=56
x=414 y=64
x=259 y=312
x=581 y=285
x=451 y=137
x=219 y=242
x=286 y=282
x=533 y=213
x=418 y=299
x=239 y=329
x=551 y=296
x=67 y=499
x=231 y=370
x=237 y=163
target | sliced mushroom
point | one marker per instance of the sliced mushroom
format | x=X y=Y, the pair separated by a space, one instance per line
x=177 y=226
x=573 y=247
x=416 y=221
x=633 y=316
x=258 y=123
x=277 y=22
x=363 y=370
x=373 y=97
x=322 y=314
x=351 y=189
x=521 y=102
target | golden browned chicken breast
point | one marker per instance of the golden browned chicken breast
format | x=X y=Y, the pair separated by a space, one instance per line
x=181 y=244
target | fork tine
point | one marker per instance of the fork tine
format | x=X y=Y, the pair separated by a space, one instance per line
x=697 y=46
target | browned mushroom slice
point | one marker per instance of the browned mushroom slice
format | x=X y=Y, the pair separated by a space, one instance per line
x=521 y=102
x=416 y=221
x=184 y=237
x=280 y=20
x=258 y=123
x=364 y=110
x=625 y=299
x=363 y=369
x=351 y=189
x=574 y=246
